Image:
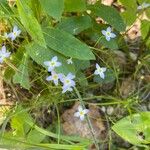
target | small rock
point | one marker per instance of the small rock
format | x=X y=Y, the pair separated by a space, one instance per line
x=110 y=110
x=128 y=86
x=74 y=126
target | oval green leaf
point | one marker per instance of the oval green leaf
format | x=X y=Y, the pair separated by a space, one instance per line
x=67 y=44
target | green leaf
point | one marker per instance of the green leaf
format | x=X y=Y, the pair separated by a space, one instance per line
x=130 y=127
x=129 y=15
x=112 y=44
x=67 y=44
x=82 y=79
x=4 y=7
x=30 y=23
x=35 y=137
x=81 y=64
x=22 y=76
x=75 y=5
x=75 y=25
x=54 y=8
x=145 y=27
x=40 y=54
x=112 y=16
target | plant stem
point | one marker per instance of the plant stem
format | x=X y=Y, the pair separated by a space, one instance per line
x=87 y=118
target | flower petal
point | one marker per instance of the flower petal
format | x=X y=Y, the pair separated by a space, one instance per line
x=103 y=32
x=80 y=108
x=112 y=35
x=46 y=63
x=56 y=82
x=58 y=64
x=104 y=69
x=81 y=117
x=108 y=29
x=97 y=66
x=85 y=111
x=7 y=54
x=49 y=78
x=18 y=32
x=96 y=72
x=77 y=114
x=54 y=58
x=107 y=38
x=1 y=60
x=15 y=29
x=102 y=75
x=70 y=76
x=3 y=49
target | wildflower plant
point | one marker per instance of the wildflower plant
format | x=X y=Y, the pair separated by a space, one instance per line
x=63 y=51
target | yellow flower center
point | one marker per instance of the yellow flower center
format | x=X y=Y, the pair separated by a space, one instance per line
x=55 y=77
x=99 y=69
x=81 y=113
x=67 y=81
x=108 y=33
x=15 y=33
x=52 y=63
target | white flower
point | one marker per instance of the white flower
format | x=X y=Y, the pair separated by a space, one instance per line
x=143 y=6
x=100 y=71
x=69 y=61
x=4 y=54
x=52 y=64
x=81 y=113
x=68 y=82
x=14 y=34
x=54 y=77
x=108 y=34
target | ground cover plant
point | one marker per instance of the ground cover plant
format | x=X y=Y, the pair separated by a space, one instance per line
x=75 y=74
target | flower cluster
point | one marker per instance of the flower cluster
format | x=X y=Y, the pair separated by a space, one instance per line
x=67 y=81
x=14 y=34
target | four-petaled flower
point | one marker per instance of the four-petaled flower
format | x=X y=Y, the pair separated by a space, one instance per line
x=52 y=64
x=100 y=71
x=68 y=82
x=54 y=77
x=143 y=6
x=4 y=54
x=108 y=34
x=81 y=113
x=69 y=61
x=16 y=32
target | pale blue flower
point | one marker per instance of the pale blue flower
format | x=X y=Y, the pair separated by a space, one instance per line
x=100 y=71
x=69 y=61
x=68 y=82
x=52 y=64
x=108 y=33
x=81 y=113
x=15 y=33
x=54 y=77
x=4 y=54
x=143 y=6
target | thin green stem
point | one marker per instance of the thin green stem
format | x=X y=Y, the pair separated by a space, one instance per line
x=87 y=118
